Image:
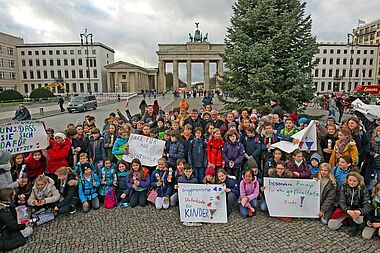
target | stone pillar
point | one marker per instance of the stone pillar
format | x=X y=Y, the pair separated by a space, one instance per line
x=175 y=75
x=155 y=82
x=161 y=77
x=188 y=73
x=108 y=82
x=219 y=72
x=117 y=83
x=206 y=71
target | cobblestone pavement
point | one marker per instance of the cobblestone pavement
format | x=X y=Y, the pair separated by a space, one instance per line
x=145 y=229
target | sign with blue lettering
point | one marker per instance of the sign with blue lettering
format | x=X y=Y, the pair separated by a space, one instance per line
x=286 y=197
x=24 y=136
x=202 y=203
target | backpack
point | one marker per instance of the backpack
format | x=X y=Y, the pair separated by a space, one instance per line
x=110 y=200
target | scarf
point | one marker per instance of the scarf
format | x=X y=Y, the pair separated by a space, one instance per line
x=298 y=163
x=377 y=139
x=341 y=145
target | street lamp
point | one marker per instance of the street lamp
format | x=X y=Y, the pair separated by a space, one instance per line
x=86 y=41
x=350 y=43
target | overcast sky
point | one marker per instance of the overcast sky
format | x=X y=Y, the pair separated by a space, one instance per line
x=135 y=27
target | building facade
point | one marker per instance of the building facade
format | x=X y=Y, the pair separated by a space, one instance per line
x=342 y=67
x=9 y=69
x=41 y=64
x=369 y=34
x=127 y=77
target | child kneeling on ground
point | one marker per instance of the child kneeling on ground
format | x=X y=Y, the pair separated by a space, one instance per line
x=88 y=188
x=249 y=191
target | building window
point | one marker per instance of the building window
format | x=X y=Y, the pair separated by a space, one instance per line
x=338 y=61
x=324 y=51
x=363 y=73
x=357 y=51
x=31 y=74
x=344 y=61
x=343 y=86
x=331 y=51
x=58 y=62
x=71 y=52
x=43 y=52
x=364 y=51
x=315 y=74
x=364 y=61
x=51 y=62
x=322 y=86
x=329 y=86
x=65 y=62
x=80 y=73
x=338 y=51
x=67 y=87
x=318 y=52
x=36 y=53
x=96 y=89
x=59 y=74
x=2 y=76
x=1 y=62
x=33 y=86
x=10 y=51
x=22 y=52
x=80 y=63
x=50 y=52
x=79 y=51
x=43 y=62
x=64 y=52
x=29 y=52
x=344 y=73
x=26 y=88
x=95 y=73
x=37 y=62
x=73 y=75
x=345 y=51
x=372 y=51
x=371 y=61
x=66 y=74
x=370 y=73
x=93 y=51
x=52 y=74
x=30 y=63
x=81 y=87
x=74 y=87
x=24 y=75
x=57 y=52
x=108 y=62
x=39 y=85
x=323 y=72
x=337 y=73
x=45 y=74
x=87 y=73
x=358 y=61
x=357 y=73
x=38 y=74
x=95 y=63
x=330 y=72
x=72 y=62
x=22 y=63
x=331 y=61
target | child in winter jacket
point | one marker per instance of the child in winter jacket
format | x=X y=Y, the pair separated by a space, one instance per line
x=328 y=142
x=373 y=222
x=328 y=192
x=88 y=186
x=96 y=150
x=233 y=154
x=315 y=160
x=83 y=159
x=354 y=202
x=138 y=183
x=197 y=154
x=187 y=177
x=120 y=183
x=44 y=193
x=68 y=188
x=186 y=138
x=249 y=191
x=342 y=169
x=120 y=146
x=16 y=161
x=24 y=189
x=177 y=174
x=36 y=164
x=214 y=149
x=159 y=182
x=209 y=175
x=289 y=129
x=231 y=189
x=267 y=139
x=298 y=166
x=176 y=149
x=106 y=178
x=344 y=146
x=58 y=153
x=252 y=145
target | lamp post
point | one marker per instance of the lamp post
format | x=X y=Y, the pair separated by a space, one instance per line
x=350 y=44
x=86 y=41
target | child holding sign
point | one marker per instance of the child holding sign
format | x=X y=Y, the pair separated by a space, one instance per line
x=354 y=202
x=138 y=183
x=231 y=189
x=328 y=192
x=249 y=191
x=159 y=182
x=298 y=166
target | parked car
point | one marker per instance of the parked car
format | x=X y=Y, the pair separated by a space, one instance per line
x=82 y=103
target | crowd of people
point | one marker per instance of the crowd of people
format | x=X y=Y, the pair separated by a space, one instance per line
x=82 y=168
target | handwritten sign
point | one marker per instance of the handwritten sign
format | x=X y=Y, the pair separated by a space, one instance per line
x=23 y=137
x=148 y=150
x=292 y=197
x=202 y=203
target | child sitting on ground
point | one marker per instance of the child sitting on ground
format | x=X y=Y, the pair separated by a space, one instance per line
x=159 y=182
x=88 y=188
x=328 y=192
x=44 y=193
x=249 y=191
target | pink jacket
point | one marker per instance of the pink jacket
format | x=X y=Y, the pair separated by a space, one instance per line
x=249 y=190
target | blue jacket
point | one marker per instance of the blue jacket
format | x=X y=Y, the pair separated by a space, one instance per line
x=176 y=151
x=96 y=150
x=78 y=168
x=183 y=179
x=116 y=147
x=122 y=180
x=166 y=189
x=252 y=146
x=86 y=190
x=197 y=153
x=108 y=176
x=233 y=152
x=313 y=170
x=340 y=175
x=232 y=184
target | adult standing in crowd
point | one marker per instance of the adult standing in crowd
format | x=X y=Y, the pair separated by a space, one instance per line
x=276 y=108
x=332 y=105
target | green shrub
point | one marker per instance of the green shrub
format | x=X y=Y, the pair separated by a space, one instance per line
x=9 y=95
x=41 y=93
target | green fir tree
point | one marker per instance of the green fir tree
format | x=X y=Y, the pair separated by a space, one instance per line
x=269 y=53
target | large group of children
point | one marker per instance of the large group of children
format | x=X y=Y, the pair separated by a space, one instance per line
x=83 y=166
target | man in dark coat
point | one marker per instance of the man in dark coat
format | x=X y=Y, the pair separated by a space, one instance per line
x=276 y=108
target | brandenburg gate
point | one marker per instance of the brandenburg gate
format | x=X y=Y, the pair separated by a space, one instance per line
x=197 y=50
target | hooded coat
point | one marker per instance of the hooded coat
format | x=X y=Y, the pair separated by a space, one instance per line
x=50 y=193
x=58 y=155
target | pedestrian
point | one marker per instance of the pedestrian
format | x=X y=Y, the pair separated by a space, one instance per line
x=276 y=108
x=230 y=187
x=142 y=107
x=118 y=98
x=332 y=105
x=22 y=113
x=61 y=102
x=249 y=191
x=354 y=203
x=340 y=106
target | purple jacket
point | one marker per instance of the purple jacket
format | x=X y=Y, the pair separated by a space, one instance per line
x=249 y=190
x=233 y=152
x=143 y=184
x=303 y=169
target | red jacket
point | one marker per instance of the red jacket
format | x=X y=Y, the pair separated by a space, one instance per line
x=34 y=167
x=58 y=155
x=214 y=152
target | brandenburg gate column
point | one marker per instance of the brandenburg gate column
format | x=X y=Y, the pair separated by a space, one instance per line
x=161 y=76
x=219 y=71
x=175 y=75
x=188 y=73
x=206 y=68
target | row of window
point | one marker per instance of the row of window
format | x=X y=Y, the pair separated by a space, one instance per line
x=7 y=50
x=7 y=63
x=369 y=29
x=57 y=52
x=65 y=74
x=338 y=86
x=7 y=75
x=342 y=73
x=345 y=51
x=344 y=61
x=69 y=88
x=65 y=62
